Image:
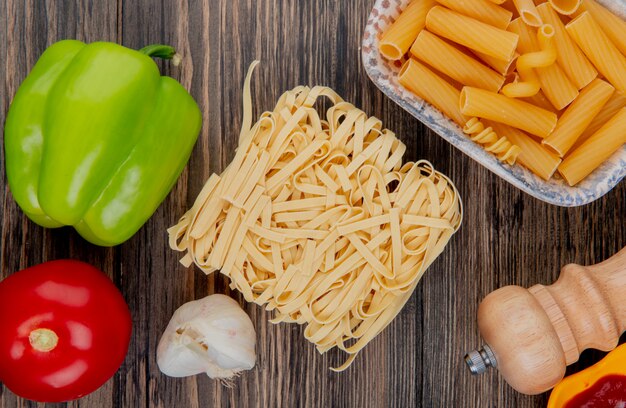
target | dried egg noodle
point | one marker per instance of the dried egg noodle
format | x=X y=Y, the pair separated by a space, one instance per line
x=319 y=219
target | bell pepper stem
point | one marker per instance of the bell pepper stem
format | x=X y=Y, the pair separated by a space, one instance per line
x=162 y=51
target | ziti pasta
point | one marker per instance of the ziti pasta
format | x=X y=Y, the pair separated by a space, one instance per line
x=610 y=109
x=532 y=155
x=455 y=63
x=569 y=56
x=482 y=10
x=318 y=219
x=538 y=90
x=578 y=116
x=399 y=37
x=510 y=111
x=471 y=33
x=565 y=7
x=432 y=88
x=502 y=67
x=555 y=85
x=599 y=48
x=613 y=26
x=593 y=152
x=526 y=65
x=528 y=12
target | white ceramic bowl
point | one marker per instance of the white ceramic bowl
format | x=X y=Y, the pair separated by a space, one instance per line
x=556 y=191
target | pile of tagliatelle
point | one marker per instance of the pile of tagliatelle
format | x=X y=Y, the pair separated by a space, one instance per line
x=319 y=220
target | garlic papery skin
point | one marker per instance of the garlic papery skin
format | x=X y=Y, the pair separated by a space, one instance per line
x=211 y=335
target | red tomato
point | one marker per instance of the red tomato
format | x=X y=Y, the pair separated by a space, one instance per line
x=64 y=331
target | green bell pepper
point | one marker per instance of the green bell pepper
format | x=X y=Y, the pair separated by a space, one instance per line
x=96 y=138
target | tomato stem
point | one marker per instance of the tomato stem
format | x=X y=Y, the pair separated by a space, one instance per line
x=43 y=340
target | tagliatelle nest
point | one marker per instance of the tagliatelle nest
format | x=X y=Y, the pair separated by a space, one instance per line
x=319 y=220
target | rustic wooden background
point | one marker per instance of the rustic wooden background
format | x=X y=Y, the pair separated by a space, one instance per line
x=507 y=237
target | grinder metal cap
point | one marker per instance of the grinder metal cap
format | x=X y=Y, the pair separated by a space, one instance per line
x=478 y=361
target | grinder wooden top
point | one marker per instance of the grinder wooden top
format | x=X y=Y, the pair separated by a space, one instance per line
x=535 y=333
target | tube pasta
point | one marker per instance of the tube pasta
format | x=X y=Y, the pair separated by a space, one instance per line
x=610 y=109
x=596 y=150
x=570 y=58
x=509 y=5
x=338 y=242
x=500 y=66
x=613 y=26
x=599 y=49
x=512 y=112
x=555 y=85
x=565 y=7
x=539 y=73
x=578 y=116
x=482 y=10
x=532 y=155
x=400 y=35
x=449 y=60
x=471 y=33
x=528 y=12
x=539 y=99
x=527 y=63
x=500 y=146
x=433 y=89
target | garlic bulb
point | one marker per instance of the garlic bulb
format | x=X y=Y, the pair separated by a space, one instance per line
x=211 y=335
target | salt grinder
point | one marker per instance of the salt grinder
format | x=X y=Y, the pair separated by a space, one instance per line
x=533 y=334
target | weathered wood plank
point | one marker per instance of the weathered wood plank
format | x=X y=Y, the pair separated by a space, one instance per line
x=507 y=236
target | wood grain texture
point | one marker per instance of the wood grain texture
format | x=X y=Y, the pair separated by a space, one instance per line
x=507 y=237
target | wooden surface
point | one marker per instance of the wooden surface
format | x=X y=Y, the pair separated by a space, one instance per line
x=507 y=237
